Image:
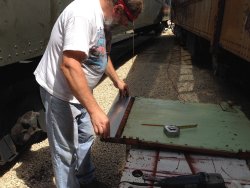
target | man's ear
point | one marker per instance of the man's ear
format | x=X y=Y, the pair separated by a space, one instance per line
x=118 y=9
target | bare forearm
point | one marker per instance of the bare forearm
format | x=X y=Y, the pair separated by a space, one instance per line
x=118 y=83
x=77 y=82
x=110 y=72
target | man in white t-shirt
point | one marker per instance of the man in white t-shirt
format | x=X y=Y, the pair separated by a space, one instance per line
x=73 y=63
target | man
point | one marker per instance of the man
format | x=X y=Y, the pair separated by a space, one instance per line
x=165 y=16
x=73 y=63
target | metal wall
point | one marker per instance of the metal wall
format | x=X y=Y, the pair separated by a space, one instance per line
x=235 y=33
x=231 y=31
x=196 y=16
x=23 y=31
x=25 y=25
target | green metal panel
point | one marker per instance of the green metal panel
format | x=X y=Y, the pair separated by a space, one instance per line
x=217 y=130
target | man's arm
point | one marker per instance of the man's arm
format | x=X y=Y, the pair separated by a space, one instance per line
x=120 y=84
x=72 y=70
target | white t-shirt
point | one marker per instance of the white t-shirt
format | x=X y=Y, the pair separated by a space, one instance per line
x=79 y=27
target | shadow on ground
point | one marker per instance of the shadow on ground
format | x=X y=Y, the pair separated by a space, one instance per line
x=36 y=168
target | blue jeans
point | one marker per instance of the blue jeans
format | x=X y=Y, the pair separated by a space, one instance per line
x=70 y=135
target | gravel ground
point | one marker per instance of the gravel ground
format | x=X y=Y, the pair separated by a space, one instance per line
x=163 y=70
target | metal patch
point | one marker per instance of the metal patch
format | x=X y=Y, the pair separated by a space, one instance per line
x=218 y=131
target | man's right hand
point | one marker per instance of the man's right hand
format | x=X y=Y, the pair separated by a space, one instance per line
x=100 y=123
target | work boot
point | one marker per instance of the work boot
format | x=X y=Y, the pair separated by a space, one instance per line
x=95 y=184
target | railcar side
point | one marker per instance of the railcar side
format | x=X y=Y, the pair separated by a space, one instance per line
x=216 y=27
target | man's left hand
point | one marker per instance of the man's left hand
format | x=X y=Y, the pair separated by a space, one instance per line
x=123 y=88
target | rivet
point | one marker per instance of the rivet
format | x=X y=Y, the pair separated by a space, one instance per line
x=29 y=43
x=15 y=46
x=9 y=56
x=23 y=52
x=1 y=59
x=17 y=54
x=36 y=50
x=41 y=42
x=30 y=51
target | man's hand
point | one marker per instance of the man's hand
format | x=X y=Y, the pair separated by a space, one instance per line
x=100 y=123
x=123 y=88
x=119 y=84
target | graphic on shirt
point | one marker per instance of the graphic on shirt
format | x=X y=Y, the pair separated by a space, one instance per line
x=97 y=59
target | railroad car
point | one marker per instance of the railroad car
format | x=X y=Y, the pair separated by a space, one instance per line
x=25 y=28
x=221 y=27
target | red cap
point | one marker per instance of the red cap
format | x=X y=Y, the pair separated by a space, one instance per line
x=128 y=13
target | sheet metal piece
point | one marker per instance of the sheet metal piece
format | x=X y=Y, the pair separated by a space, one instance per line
x=219 y=132
x=118 y=115
x=168 y=164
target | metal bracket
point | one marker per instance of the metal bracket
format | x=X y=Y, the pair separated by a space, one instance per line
x=7 y=150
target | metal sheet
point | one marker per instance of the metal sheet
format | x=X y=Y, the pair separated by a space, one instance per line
x=229 y=168
x=218 y=132
x=153 y=163
x=117 y=115
x=162 y=164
